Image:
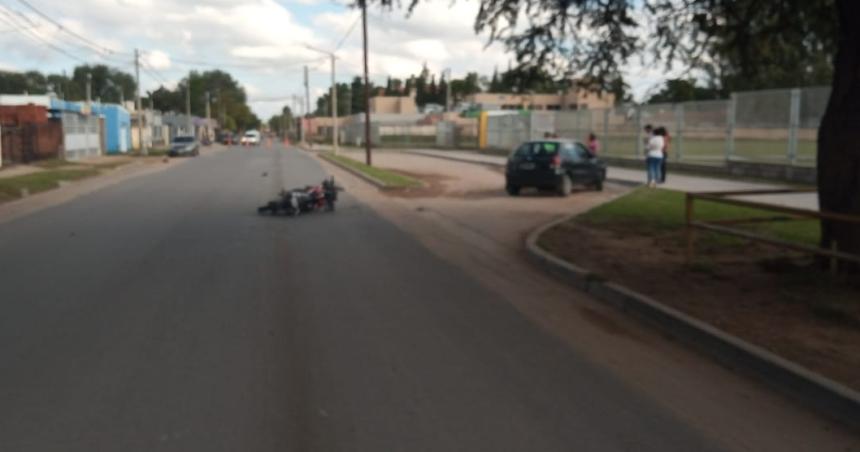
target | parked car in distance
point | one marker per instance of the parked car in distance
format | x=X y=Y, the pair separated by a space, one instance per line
x=184 y=145
x=553 y=164
x=251 y=138
x=227 y=137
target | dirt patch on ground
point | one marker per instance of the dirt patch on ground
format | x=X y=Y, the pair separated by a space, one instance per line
x=434 y=186
x=780 y=301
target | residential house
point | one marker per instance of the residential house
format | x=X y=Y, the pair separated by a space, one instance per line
x=117 y=127
x=394 y=104
x=28 y=133
x=82 y=131
x=577 y=98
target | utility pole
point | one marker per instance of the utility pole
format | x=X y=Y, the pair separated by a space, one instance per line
x=334 y=137
x=188 y=105
x=89 y=89
x=448 y=91
x=367 y=153
x=333 y=95
x=306 y=104
x=307 y=94
x=137 y=103
x=208 y=115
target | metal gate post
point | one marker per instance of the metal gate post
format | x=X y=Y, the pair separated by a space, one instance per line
x=793 y=124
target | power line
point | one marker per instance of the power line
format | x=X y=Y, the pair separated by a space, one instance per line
x=256 y=65
x=38 y=38
x=152 y=72
x=99 y=48
x=30 y=31
x=349 y=32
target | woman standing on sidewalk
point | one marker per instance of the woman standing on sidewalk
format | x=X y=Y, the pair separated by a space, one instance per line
x=654 y=156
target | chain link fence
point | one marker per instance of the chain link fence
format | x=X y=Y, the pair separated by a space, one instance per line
x=773 y=126
x=776 y=126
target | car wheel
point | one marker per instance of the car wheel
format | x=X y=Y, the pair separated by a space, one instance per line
x=512 y=190
x=598 y=185
x=564 y=186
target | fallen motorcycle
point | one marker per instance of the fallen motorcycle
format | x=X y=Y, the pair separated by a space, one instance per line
x=308 y=199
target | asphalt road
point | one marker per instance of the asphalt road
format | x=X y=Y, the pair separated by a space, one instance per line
x=162 y=313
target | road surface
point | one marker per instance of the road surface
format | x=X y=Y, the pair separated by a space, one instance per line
x=163 y=314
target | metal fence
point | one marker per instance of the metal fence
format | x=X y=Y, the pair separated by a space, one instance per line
x=778 y=126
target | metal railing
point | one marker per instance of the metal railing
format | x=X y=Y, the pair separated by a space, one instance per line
x=784 y=213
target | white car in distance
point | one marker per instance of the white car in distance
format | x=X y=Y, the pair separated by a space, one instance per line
x=250 y=138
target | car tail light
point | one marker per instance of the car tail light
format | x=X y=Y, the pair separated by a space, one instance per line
x=556 y=161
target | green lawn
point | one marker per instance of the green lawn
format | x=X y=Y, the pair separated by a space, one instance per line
x=10 y=187
x=391 y=179
x=657 y=210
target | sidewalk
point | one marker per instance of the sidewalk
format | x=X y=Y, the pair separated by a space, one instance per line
x=680 y=182
x=18 y=170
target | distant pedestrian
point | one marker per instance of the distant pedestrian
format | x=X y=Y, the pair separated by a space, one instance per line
x=649 y=132
x=593 y=144
x=654 y=156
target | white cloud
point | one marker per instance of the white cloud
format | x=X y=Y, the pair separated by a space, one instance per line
x=262 y=42
x=156 y=59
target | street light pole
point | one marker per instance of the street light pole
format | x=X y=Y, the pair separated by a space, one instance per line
x=367 y=153
x=137 y=103
x=208 y=115
x=333 y=106
x=333 y=95
x=188 y=106
x=89 y=89
x=448 y=91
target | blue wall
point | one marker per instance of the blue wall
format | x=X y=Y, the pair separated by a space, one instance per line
x=117 y=127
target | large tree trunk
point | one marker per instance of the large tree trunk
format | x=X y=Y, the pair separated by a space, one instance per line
x=839 y=138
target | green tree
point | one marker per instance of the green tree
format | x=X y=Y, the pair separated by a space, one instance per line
x=283 y=123
x=228 y=100
x=621 y=90
x=460 y=88
x=108 y=84
x=681 y=90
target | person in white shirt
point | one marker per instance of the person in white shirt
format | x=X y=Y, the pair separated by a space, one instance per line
x=654 y=156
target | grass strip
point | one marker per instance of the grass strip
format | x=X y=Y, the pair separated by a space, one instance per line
x=659 y=210
x=391 y=179
x=11 y=187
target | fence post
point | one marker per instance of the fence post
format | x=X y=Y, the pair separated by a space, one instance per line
x=793 y=124
x=638 y=131
x=730 y=126
x=690 y=233
x=679 y=131
x=606 y=129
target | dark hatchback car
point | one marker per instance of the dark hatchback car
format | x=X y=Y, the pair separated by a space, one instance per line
x=553 y=165
x=184 y=145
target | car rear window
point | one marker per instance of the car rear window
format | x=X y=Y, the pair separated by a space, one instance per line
x=546 y=147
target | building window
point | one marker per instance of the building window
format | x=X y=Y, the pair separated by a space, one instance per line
x=553 y=107
x=573 y=107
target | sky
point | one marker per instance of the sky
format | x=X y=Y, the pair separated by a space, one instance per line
x=262 y=43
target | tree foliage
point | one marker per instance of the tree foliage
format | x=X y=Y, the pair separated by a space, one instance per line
x=108 y=84
x=282 y=123
x=228 y=100
x=683 y=90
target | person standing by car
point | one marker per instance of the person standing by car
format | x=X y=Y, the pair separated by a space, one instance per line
x=654 y=156
x=593 y=144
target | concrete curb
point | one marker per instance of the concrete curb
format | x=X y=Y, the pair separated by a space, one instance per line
x=499 y=165
x=367 y=178
x=792 y=380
